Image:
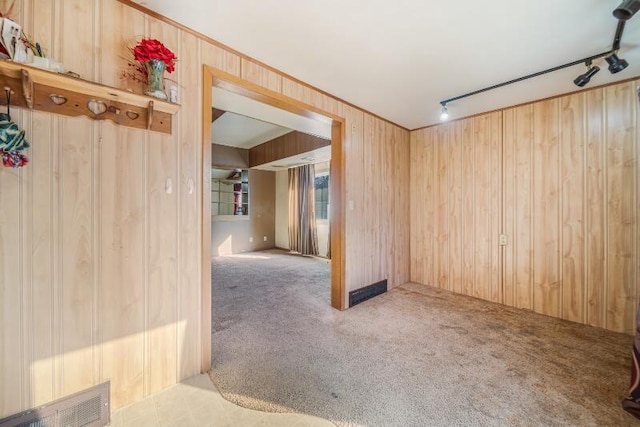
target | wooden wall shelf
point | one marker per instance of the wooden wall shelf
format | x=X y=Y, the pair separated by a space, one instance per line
x=43 y=90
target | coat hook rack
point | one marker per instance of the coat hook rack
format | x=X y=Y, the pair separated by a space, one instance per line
x=51 y=92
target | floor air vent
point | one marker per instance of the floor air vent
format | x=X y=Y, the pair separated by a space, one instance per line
x=89 y=407
x=368 y=292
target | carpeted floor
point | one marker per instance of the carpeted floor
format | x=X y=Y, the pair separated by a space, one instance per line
x=414 y=356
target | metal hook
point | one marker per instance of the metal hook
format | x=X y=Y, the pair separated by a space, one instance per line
x=7 y=116
x=7 y=91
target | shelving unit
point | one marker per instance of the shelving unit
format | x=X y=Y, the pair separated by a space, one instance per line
x=230 y=197
x=43 y=90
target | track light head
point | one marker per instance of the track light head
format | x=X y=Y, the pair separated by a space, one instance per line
x=627 y=9
x=616 y=64
x=583 y=79
x=444 y=115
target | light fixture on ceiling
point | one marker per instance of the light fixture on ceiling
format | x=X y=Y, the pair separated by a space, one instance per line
x=444 y=114
x=623 y=13
x=616 y=64
x=583 y=79
x=627 y=9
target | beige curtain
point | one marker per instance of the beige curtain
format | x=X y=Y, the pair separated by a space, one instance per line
x=303 y=235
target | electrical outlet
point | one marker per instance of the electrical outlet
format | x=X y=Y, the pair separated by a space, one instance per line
x=250 y=239
x=265 y=238
x=503 y=240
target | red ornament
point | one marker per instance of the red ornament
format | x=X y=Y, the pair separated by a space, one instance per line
x=148 y=49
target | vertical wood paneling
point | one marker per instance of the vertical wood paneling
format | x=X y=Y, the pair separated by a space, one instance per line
x=546 y=237
x=487 y=136
x=389 y=209
x=402 y=195
x=76 y=135
x=162 y=184
x=418 y=242
x=257 y=74
x=299 y=92
x=522 y=238
x=355 y=204
x=509 y=203
x=219 y=58
x=560 y=179
x=441 y=255
x=620 y=102
x=430 y=182
x=39 y=354
x=11 y=385
x=596 y=276
x=468 y=166
x=122 y=228
x=188 y=123
x=122 y=225
x=572 y=177
x=372 y=200
x=455 y=185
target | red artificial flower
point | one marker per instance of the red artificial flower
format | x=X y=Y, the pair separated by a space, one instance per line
x=13 y=159
x=148 y=49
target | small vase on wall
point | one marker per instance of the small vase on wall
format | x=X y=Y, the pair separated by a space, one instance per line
x=155 y=78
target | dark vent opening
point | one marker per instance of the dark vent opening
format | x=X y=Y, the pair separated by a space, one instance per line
x=368 y=292
x=90 y=407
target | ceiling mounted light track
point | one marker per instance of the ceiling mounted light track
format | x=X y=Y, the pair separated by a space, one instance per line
x=616 y=64
x=623 y=13
x=583 y=79
x=627 y=9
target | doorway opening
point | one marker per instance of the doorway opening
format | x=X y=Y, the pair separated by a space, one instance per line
x=227 y=186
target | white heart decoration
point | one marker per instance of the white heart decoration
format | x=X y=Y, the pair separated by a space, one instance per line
x=97 y=107
x=58 y=99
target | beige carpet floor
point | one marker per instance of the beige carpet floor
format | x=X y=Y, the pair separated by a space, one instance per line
x=415 y=356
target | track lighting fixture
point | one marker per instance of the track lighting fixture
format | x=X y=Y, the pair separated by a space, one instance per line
x=444 y=115
x=623 y=13
x=616 y=64
x=583 y=79
x=627 y=9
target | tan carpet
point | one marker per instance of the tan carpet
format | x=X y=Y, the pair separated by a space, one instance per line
x=414 y=356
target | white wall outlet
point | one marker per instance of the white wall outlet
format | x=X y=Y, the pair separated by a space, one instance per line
x=503 y=240
x=250 y=239
x=265 y=238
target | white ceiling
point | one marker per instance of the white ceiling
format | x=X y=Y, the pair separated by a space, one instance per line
x=248 y=123
x=240 y=131
x=398 y=59
x=232 y=102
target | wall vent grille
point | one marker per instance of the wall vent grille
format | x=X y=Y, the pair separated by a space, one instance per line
x=88 y=408
x=368 y=292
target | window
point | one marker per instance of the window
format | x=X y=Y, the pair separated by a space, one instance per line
x=322 y=196
x=229 y=192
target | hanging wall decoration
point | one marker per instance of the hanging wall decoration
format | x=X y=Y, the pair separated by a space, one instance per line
x=12 y=142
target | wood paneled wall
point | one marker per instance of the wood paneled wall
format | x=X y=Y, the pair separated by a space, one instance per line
x=559 y=178
x=287 y=145
x=100 y=235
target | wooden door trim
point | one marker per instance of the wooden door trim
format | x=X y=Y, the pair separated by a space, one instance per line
x=213 y=77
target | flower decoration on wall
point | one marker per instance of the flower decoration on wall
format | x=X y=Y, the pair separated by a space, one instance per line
x=151 y=60
x=12 y=143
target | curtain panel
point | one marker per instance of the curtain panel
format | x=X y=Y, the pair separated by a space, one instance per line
x=303 y=234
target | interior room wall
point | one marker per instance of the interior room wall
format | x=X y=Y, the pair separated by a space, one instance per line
x=233 y=235
x=223 y=156
x=559 y=178
x=99 y=263
x=282 y=209
x=322 y=224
